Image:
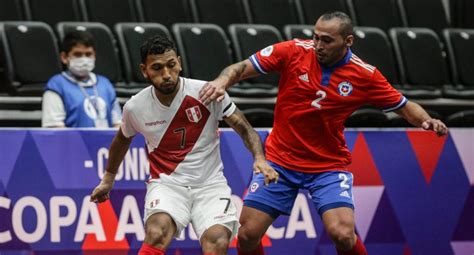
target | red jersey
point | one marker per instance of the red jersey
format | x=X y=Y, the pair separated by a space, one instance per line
x=313 y=103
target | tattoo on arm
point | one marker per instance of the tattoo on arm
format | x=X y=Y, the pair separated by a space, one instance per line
x=249 y=136
x=234 y=72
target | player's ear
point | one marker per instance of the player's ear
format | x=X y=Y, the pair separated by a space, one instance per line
x=180 y=65
x=349 y=40
x=143 y=70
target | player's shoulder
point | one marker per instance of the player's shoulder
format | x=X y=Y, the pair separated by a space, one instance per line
x=140 y=99
x=362 y=67
x=192 y=86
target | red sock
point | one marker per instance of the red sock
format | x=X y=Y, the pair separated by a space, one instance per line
x=257 y=251
x=150 y=250
x=357 y=249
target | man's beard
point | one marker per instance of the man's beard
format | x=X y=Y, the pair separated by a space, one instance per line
x=167 y=90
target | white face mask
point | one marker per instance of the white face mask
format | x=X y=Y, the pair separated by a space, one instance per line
x=82 y=66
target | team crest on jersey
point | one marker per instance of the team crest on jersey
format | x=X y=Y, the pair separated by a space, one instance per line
x=345 y=88
x=194 y=114
x=254 y=187
x=267 y=51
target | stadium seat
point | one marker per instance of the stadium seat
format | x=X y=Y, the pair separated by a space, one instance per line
x=298 y=31
x=460 y=44
x=107 y=60
x=110 y=12
x=11 y=10
x=204 y=49
x=313 y=9
x=383 y=14
x=461 y=119
x=130 y=37
x=277 y=13
x=462 y=13
x=221 y=12
x=248 y=39
x=168 y=12
x=30 y=56
x=259 y=117
x=421 y=62
x=425 y=13
x=372 y=45
x=367 y=117
x=54 y=11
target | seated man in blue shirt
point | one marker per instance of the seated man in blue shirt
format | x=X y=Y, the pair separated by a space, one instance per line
x=77 y=97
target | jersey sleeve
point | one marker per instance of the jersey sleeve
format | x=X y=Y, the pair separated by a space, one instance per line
x=383 y=95
x=272 y=58
x=128 y=125
x=225 y=108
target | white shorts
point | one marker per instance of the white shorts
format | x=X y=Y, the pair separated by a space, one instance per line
x=204 y=207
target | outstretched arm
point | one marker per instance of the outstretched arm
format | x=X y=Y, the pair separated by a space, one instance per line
x=418 y=117
x=252 y=141
x=117 y=151
x=214 y=90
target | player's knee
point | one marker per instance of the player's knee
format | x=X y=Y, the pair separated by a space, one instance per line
x=216 y=242
x=157 y=233
x=342 y=236
x=247 y=237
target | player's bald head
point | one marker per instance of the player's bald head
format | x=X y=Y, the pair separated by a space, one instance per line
x=346 y=27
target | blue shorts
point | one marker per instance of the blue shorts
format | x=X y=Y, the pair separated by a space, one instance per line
x=328 y=190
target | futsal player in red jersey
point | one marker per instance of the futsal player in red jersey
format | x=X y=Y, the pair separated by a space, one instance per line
x=322 y=82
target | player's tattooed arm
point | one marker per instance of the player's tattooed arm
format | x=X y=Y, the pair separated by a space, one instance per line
x=252 y=141
x=214 y=90
x=118 y=149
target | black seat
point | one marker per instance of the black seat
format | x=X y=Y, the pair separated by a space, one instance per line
x=425 y=13
x=248 y=39
x=11 y=10
x=130 y=37
x=168 y=12
x=27 y=68
x=383 y=14
x=54 y=11
x=461 y=13
x=110 y=12
x=313 y=9
x=204 y=49
x=460 y=44
x=221 y=12
x=461 y=119
x=277 y=13
x=421 y=62
x=373 y=46
x=107 y=60
x=367 y=117
x=259 y=117
x=298 y=31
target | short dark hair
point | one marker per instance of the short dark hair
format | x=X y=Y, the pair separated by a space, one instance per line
x=74 y=38
x=347 y=28
x=156 y=45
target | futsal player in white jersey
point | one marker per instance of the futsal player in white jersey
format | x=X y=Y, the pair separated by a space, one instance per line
x=187 y=184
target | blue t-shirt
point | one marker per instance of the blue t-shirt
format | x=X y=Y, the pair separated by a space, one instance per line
x=85 y=105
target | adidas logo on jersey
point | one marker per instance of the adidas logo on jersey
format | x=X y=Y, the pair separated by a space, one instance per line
x=345 y=194
x=304 y=77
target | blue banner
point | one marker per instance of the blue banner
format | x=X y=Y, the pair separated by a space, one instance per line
x=413 y=192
